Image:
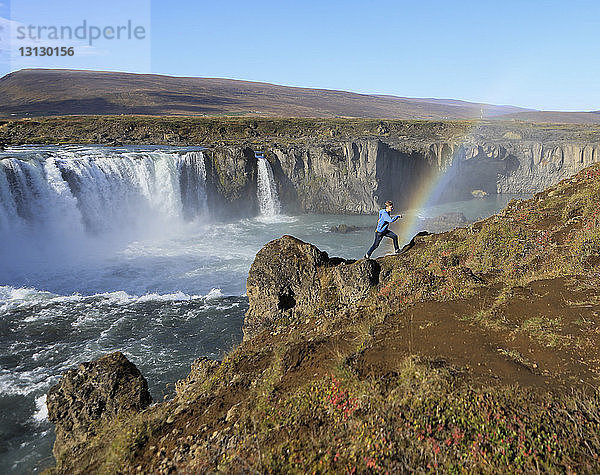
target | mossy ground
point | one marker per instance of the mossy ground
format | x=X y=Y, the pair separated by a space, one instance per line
x=476 y=352
x=262 y=132
x=419 y=418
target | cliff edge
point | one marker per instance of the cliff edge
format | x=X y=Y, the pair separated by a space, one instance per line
x=474 y=348
x=342 y=165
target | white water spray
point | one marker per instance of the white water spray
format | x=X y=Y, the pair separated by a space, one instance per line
x=54 y=201
x=96 y=191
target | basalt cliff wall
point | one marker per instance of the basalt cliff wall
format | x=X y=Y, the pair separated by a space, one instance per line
x=358 y=176
x=343 y=165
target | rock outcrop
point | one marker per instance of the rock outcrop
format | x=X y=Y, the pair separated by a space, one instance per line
x=289 y=279
x=91 y=394
x=231 y=181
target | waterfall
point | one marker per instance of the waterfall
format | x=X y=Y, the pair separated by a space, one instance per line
x=268 y=200
x=192 y=179
x=63 y=195
x=34 y=198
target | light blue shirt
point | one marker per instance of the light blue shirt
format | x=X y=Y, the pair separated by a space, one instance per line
x=384 y=220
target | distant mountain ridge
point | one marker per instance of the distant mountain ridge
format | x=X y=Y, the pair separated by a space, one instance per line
x=46 y=92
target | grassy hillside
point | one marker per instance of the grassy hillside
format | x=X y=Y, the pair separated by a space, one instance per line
x=39 y=92
x=477 y=350
x=49 y=92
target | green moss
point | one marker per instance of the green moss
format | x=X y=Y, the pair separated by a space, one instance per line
x=545 y=330
x=419 y=420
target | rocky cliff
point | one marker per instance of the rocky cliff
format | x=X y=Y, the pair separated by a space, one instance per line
x=516 y=166
x=344 y=165
x=474 y=348
x=354 y=176
x=357 y=176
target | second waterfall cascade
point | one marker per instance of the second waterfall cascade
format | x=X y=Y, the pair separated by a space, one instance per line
x=268 y=201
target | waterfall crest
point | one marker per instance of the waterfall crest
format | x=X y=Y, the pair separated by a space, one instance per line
x=96 y=191
x=60 y=204
x=268 y=201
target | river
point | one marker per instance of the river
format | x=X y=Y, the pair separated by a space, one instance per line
x=105 y=249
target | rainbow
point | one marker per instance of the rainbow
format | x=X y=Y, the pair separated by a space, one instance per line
x=428 y=191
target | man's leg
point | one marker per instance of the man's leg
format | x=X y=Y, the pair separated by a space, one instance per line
x=394 y=237
x=378 y=238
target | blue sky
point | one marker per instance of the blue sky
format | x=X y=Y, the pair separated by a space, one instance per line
x=540 y=54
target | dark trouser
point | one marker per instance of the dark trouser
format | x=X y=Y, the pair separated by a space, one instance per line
x=380 y=236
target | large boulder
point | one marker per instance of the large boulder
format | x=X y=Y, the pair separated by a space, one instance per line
x=99 y=390
x=291 y=279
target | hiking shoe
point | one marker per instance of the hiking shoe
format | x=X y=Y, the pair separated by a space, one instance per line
x=366 y=256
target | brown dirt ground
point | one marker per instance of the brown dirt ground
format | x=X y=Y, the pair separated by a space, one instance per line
x=504 y=353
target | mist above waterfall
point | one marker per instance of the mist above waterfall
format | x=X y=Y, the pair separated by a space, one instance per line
x=68 y=205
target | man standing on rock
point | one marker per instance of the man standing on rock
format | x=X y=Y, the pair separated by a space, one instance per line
x=383 y=229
